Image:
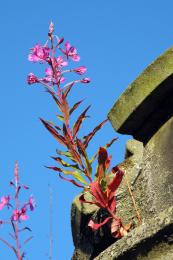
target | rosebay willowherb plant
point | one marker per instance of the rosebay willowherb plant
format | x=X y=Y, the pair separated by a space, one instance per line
x=18 y=213
x=77 y=162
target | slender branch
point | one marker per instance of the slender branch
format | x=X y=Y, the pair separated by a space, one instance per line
x=16 y=177
x=132 y=197
x=9 y=245
x=28 y=239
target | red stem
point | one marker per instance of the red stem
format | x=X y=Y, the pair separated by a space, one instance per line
x=16 y=223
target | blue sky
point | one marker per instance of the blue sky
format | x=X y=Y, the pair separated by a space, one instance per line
x=116 y=41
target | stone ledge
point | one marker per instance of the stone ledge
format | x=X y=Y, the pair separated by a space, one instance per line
x=141 y=242
x=144 y=96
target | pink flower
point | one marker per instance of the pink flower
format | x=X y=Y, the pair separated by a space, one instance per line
x=31 y=79
x=31 y=203
x=49 y=76
x=60 y=62
x=85 y=80
x=39 y=53
x=20 y=214
x=4 y=202
x=23 y=215
x=71 y=52
x=80 y=70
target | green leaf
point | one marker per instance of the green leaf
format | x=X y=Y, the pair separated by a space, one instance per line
x=60 y=118
x=66 y=154
x=65 y=164
x=76 y=175
x=83 y=152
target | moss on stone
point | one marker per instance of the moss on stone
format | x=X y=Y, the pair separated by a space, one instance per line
x=147 y=82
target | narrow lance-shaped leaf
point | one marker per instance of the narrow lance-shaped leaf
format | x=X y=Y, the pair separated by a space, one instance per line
x=83 y=200
x=102 y=159
x=68 y=88
x=75 y=106
x=65 y=109
x=114 y=184
x=83 y=152
x=90 y=135
x=65 y=164
x=98 y=194
x=72 y=181
x=55 y=99
x=57 y=169
x=56 y=135
x=66 y=154
x=79 y=121
x=106 y=146
x=75 y=174
x=60 y=117
x=52 y=123
x=79 y=178
x=71 y=146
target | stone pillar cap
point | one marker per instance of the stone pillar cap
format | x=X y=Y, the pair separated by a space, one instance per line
x=147 y=103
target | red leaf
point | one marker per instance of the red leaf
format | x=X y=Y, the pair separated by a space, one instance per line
x=115 y=227
x=57 y=136
x=65 y=109
x=71 y=146
x=111 y=142
x=75 y=106
x=54 y=168
x=103 y=155
x=90 y=136
x=55 y=98
x=95 y=226
x=82 y=151
x=112 y=204
x=72 y=181
x=79 y=121
x=114 y=184
x=102 y=159
x=68 y=88
x=82 y=200
x=98 y=194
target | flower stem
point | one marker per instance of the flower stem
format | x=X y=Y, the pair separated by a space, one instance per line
x=16 y=228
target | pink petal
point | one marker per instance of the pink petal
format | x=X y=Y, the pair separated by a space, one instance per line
x=48 y=71
x=75 y=57
x=85 y=80
x=24 y=217
x=67 y=45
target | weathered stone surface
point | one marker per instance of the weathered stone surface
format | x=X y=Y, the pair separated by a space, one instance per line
x=147 y=102
x=151 y=240
x=132 y=166
x=145 y=110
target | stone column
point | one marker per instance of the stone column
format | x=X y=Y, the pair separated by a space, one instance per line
x=145 y=111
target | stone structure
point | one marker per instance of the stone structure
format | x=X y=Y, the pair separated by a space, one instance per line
x=145 y=111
